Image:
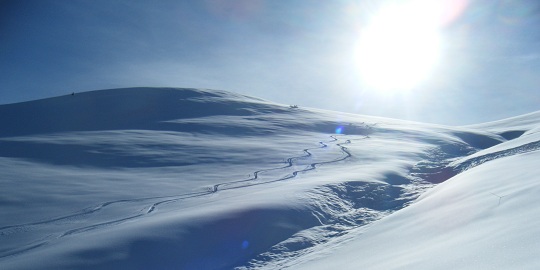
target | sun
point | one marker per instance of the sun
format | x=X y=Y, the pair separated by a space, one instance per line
x=400 y=46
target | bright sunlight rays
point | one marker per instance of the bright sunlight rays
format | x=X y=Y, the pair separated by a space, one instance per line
x=400 y=45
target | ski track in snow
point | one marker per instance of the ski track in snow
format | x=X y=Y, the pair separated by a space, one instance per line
x=289 y=161
x=252 y=181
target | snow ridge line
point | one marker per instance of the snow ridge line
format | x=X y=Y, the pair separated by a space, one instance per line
x=473 y=162
x=174 y=198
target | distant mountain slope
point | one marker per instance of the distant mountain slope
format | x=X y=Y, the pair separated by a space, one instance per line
x=513 y=126
x=162 y=178
x=128 y=108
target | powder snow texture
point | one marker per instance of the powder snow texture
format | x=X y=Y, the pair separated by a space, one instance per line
x=166 y=178
x=485 y=218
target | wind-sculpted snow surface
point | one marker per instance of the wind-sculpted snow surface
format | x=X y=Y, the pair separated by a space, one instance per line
x=164 y=178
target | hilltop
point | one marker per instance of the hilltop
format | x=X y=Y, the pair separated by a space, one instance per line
x=160 y=178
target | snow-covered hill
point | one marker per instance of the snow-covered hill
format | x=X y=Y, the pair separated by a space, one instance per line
x=164 y=178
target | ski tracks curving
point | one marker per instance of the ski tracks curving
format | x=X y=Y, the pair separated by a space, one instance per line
x=254 y=180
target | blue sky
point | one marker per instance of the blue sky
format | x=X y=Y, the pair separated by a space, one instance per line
x=294 y=52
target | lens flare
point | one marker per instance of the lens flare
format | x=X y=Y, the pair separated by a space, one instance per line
x=245 y=244
x=518 y=12
x=401 y=45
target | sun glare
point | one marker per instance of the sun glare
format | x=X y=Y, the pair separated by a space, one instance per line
x=400 y=46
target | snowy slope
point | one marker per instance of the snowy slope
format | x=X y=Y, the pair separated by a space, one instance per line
x=483 y=218
x=164 y=178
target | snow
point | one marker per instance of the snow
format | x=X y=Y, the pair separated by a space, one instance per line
x=460 y=224
x=166 y=178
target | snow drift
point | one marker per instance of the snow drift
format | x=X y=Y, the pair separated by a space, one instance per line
x=161 y=178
